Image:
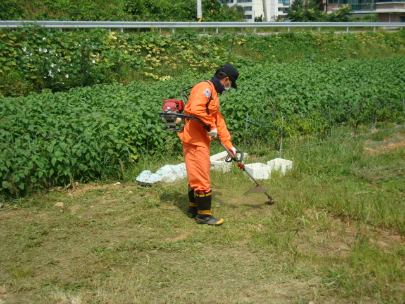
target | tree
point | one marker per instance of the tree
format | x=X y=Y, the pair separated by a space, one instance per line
x=181 y=10
x=213 y=10
x=341 y=15
x=302 y=10
x=11 y=10
x=259 y=19
x=305 y=11
x=144 y=9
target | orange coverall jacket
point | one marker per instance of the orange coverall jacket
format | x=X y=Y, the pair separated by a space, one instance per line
x=203 y=103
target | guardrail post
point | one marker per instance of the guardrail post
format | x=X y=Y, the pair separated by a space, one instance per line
x=216 y=30
x=374 y=29
x=121 y=30
x=173 y=30
x=288 y=28
x=347 y=29
x=254 y=30
x=319 y=28
x=160 y=30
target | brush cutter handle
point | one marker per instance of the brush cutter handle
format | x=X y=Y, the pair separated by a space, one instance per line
x=237 y=157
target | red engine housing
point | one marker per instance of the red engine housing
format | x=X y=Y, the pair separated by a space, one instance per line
x=173 y=104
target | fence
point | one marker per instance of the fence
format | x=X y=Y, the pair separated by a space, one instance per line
x=332 y=136
x=121 y=25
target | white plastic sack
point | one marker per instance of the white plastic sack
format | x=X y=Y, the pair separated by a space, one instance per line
x=171 y=173
x=147 y=177
x=168 y=174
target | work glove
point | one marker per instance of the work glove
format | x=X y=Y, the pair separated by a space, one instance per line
x=233 y=150
x=213 y=133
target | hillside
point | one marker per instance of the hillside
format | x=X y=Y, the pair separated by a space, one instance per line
x=35 y=58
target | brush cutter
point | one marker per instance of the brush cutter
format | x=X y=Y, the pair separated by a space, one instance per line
x=174 y=122
x=238 y=157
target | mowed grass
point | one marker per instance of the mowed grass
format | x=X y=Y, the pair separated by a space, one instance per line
x=335 y=235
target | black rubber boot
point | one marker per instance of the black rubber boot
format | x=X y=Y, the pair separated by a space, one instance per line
x=192 y=208
x=204 y=215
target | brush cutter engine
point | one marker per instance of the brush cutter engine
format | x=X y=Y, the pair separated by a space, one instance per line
x=170 y=115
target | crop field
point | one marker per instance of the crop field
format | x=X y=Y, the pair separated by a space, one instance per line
x=89 y=133
x=78 y=123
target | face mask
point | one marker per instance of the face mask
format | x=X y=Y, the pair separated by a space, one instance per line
x=227 y=88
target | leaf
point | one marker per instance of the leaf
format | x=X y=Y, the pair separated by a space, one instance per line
x=5 y=184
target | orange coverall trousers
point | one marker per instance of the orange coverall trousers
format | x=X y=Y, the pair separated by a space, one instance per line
x=198 y=164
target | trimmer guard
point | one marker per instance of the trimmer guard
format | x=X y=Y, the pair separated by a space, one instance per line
x=257 y=189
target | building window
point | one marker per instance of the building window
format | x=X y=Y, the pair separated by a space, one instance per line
x=357 y=5
x=229 y=1
x=284 y=2
x=247 y=17
x=244 y=1
x=248 y=8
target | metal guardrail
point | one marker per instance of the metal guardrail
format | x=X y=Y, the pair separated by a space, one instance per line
x=173 y=25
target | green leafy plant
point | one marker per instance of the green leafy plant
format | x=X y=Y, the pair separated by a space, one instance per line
x=34 y=58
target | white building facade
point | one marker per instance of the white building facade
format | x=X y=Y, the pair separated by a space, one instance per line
x=265 y=10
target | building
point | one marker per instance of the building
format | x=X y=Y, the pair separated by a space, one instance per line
x=264 y=10
x=387 y=10
x=274 y=10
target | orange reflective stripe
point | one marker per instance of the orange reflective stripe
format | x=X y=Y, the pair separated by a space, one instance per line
x=205 y=212
x=203 y=194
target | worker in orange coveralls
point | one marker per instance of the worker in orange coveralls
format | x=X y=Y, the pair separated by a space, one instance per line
x=203 y=103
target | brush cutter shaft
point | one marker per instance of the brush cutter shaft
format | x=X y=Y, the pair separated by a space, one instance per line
x=232 y=157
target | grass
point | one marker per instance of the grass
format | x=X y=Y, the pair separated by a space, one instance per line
x=335 y=235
